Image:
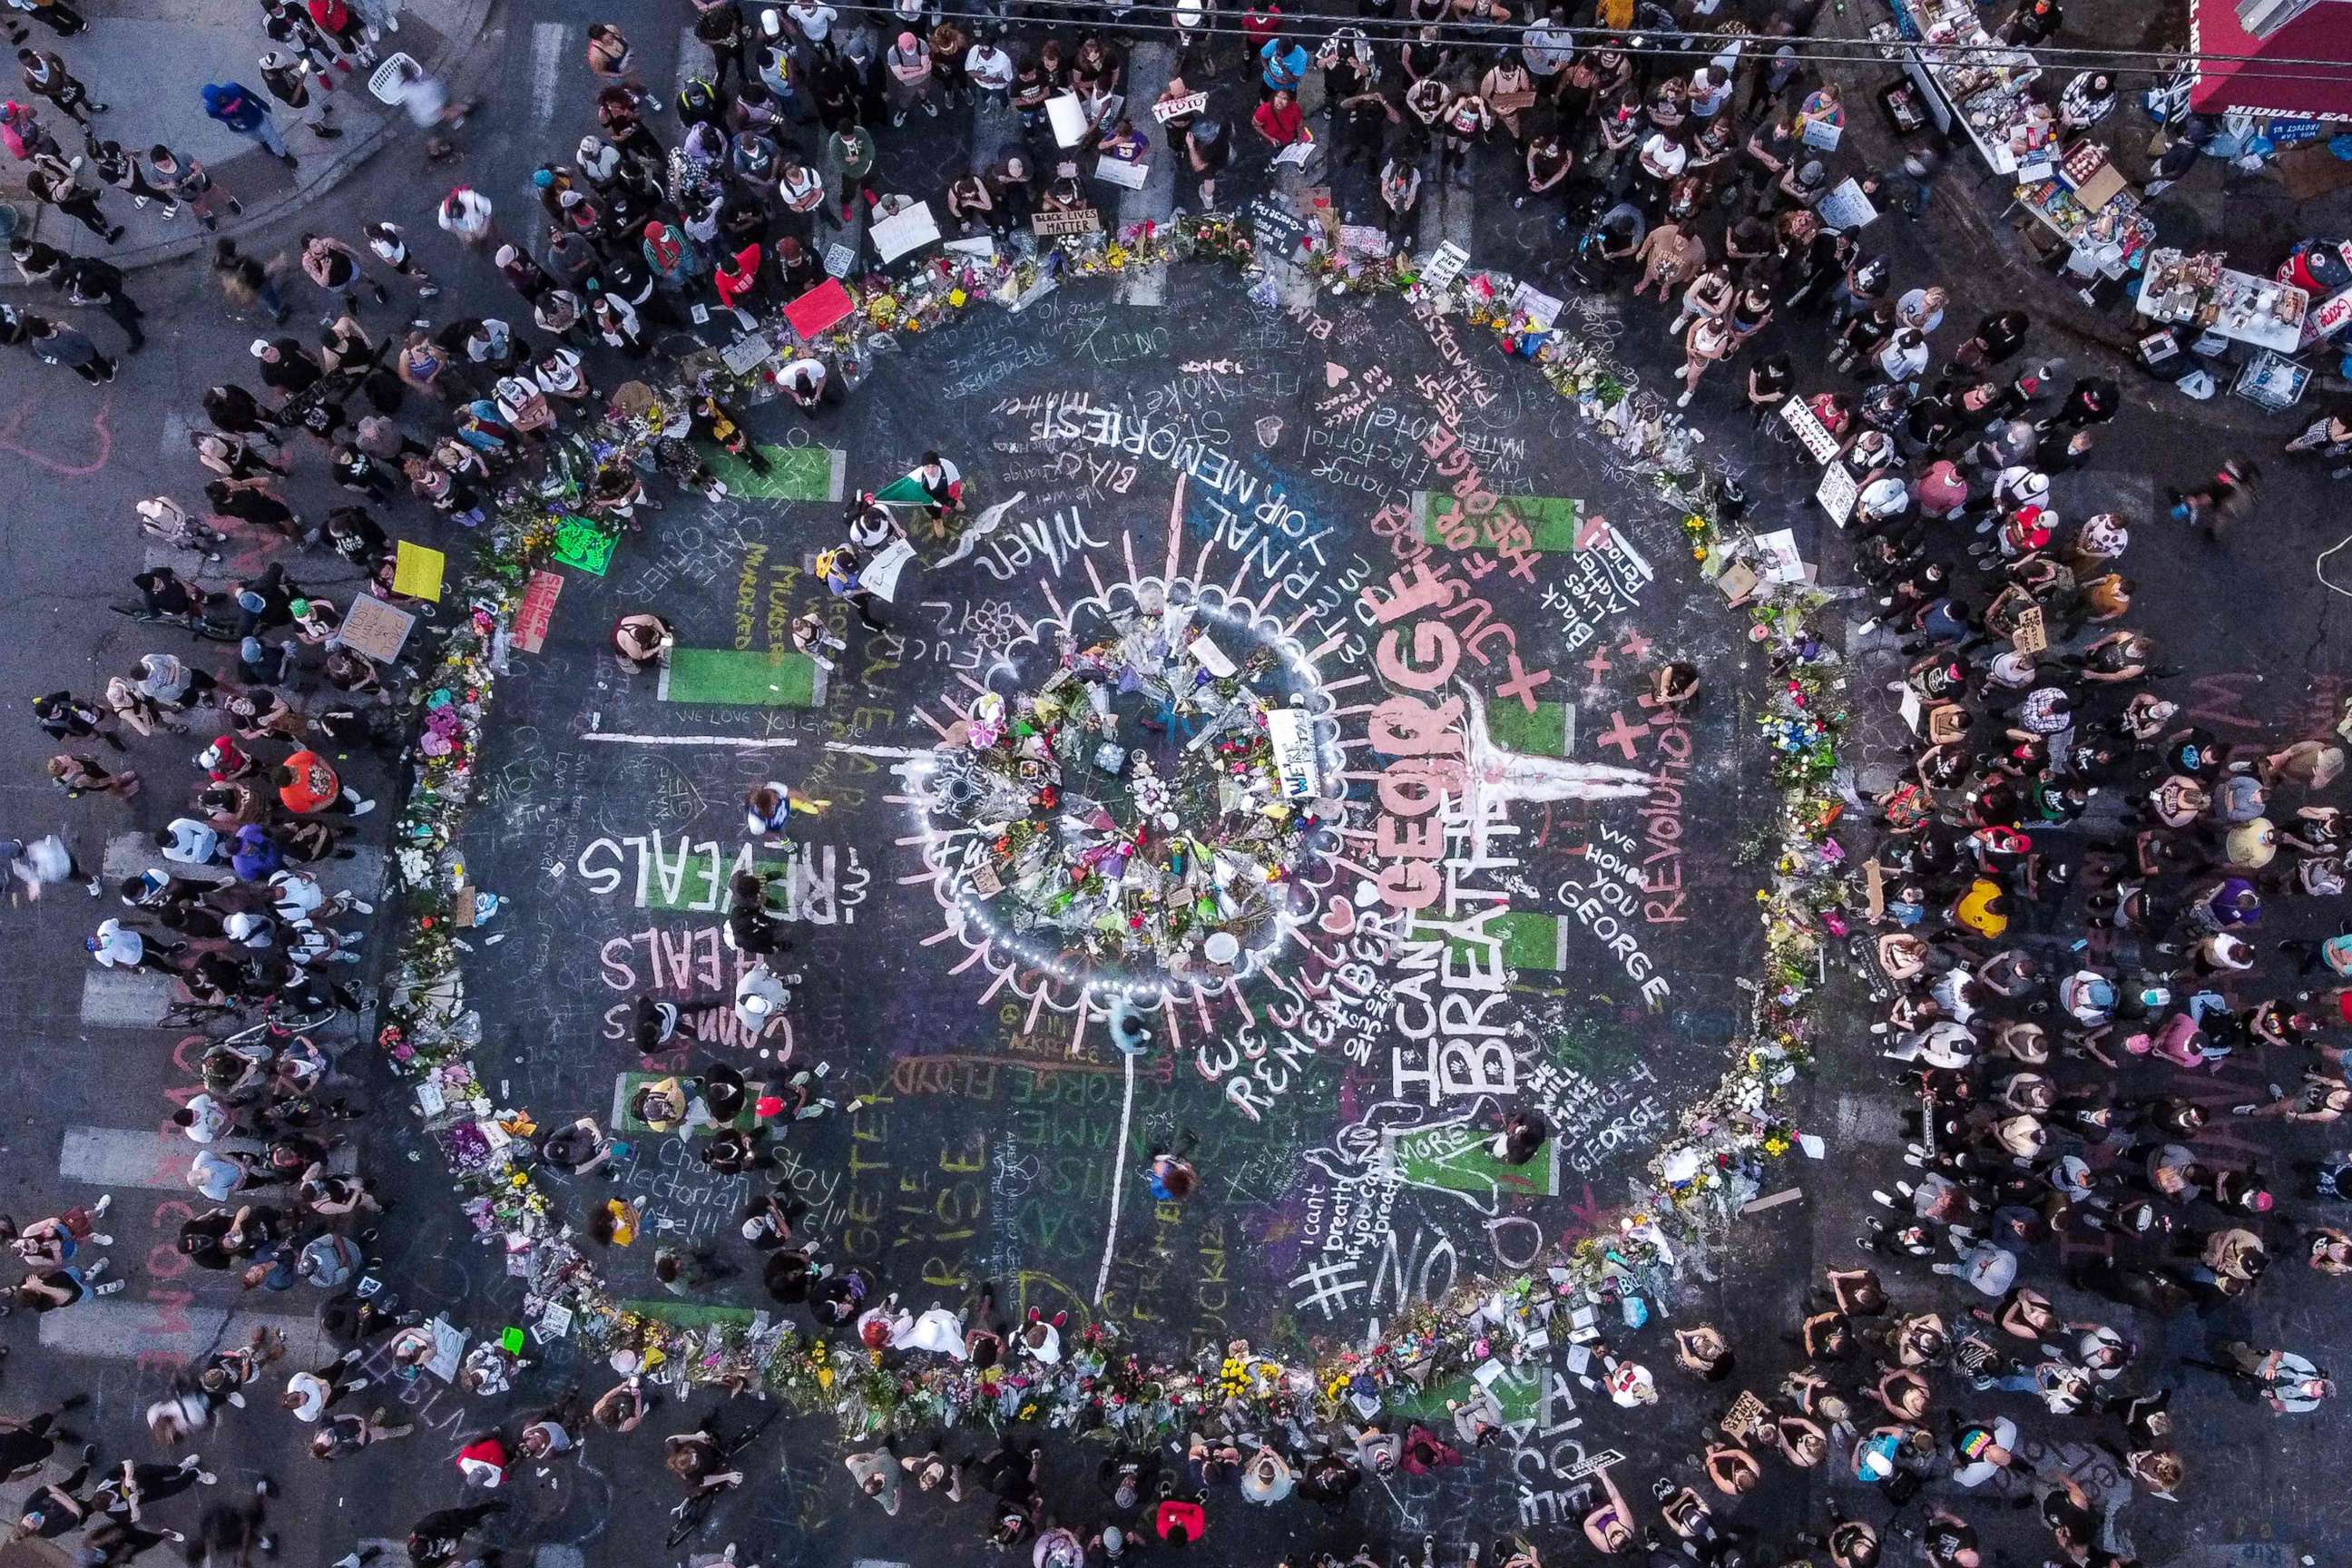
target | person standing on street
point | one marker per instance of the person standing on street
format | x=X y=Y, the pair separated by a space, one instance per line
x=612 y=61
x=942 y=484
x=849 y=165
x=837 y=570
x=117 y=946
x=179 y=179
x=46 y=76
x=65 y=717
x=243 y=110
x=55 y=14
x=53 y=182
x=335 y=268
x=467 y=214
x=289 y=81
x=390 y=247
x=337 y=21
x=56 y=343
x=44 y=862
x=308 y=787
x=246 y=280
x=89 y=282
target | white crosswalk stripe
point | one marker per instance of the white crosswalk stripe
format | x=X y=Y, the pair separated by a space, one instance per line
x=550 y=41
x=118 y=1157
x=190 y=565
x=1147 y=66
x=124 y=1331
x=125 y=998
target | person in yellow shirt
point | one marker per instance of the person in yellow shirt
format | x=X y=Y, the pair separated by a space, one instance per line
x=1982 y=909
x=617 y=1221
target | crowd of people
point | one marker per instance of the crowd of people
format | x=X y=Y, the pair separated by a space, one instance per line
x=2059 y=1086
x=2072 y=874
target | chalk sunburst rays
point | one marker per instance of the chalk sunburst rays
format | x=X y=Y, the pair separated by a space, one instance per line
x=1030 y=963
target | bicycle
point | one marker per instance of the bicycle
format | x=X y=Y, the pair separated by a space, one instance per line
x=196 y=627
x=276 y=1026
x=193 y=1014
x=687 y=1516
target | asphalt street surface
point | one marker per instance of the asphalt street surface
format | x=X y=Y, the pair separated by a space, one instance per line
x=982 y=1153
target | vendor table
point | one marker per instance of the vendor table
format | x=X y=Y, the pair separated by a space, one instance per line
x=2247 y=309
x=1980 y=81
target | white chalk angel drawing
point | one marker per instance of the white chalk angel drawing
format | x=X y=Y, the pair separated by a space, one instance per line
x=1367 y=1149
x=1493 y=774
x=980 y=528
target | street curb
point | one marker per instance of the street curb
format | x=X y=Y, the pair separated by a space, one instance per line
x=472 y=20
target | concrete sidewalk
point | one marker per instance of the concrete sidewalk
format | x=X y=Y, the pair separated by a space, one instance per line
x=149 y=60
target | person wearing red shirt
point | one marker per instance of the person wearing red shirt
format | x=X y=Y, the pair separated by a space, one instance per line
x=736 y=275
x=1261 y=23
x=310 y=788
x=1179 y=1521
x=334 y=18
x=1280 y=121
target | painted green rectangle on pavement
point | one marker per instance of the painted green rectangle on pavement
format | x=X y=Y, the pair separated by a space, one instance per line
x=1550 y=521
x=1518 y=1391
x=627 y=1124
x=794 y=473
x=1530 y=939
x=699 y=888
x=1459 y=1157
x=748 y=678
x=693 y=1314
x=1548 y=732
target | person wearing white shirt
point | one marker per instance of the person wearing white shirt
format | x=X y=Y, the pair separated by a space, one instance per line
x=990 y=68
x=800 y=187
x=804 y=381
x=246 y=929
x=43 y=862
x=308 y=1393
x=1710 y=89
x=813 y=18
x=1547 y=46
x=117 y=946
x=203 y=1120
x=299 y=896
x=1663 y=156
x=1905 y=355
x=1921 y=308
x=1885 y=497
x=760 y=997
x=188 y=842
x=173 y=685
x=216 y=1175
